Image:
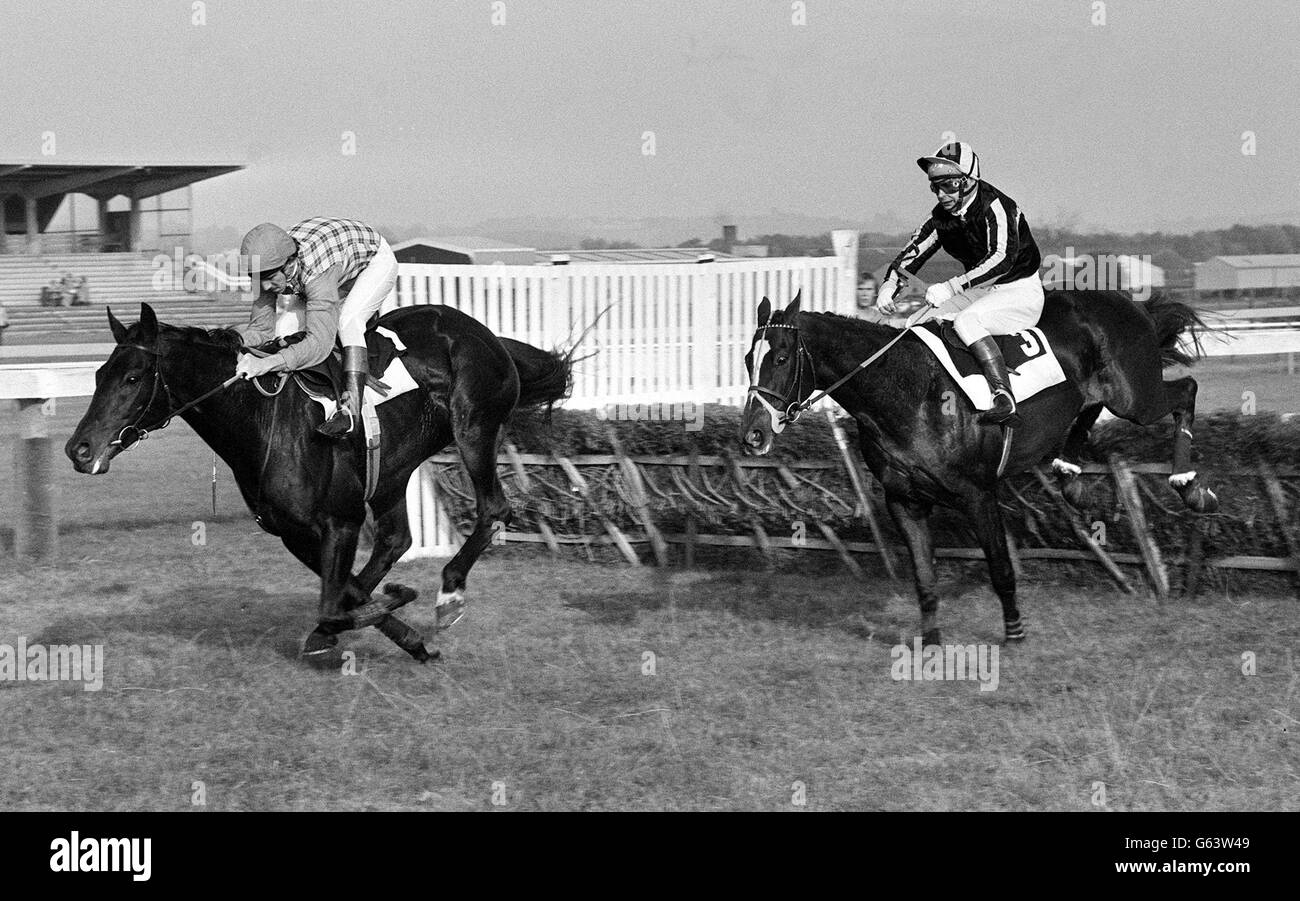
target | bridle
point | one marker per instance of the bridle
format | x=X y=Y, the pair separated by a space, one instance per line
x=789 y=411
x=793 y=410
x=133 y=434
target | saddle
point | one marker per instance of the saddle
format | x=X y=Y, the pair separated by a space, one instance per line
x=325 y=383
x=326 y=378
x=1031 y=363
x=963 y=359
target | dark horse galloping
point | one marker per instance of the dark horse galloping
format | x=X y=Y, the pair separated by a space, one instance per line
x=1111 y=349
x=309 y=490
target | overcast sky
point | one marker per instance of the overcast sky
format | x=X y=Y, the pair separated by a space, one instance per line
x=1132 y=124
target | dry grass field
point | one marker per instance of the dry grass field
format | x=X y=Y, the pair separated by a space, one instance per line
x=762 y=682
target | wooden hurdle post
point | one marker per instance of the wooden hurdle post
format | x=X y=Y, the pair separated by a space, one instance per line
x=36 y=528
x=1126 y=488
x=34 y=387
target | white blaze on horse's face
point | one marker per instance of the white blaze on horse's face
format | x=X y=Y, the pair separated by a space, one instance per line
x=763 y=347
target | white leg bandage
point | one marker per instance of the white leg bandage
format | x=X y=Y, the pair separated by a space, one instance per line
x=1180 y=479
x=1066 y=469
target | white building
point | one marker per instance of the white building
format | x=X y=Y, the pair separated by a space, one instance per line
x=1256 y=272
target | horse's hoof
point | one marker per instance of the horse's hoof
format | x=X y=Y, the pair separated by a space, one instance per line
x=931 y=637
x=1200 y=499
x=1075 y=494
x=450 y=608
x=318 y=643
x=424 y=654
x=402 y=594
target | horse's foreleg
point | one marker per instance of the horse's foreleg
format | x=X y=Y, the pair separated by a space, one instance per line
x=987 y=516
x=306 y=546
x=1067 y=465
x=913 y=520
x=478 y=444
x=392 y=540
x=1181 y=394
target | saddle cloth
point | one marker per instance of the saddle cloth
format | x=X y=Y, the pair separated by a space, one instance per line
x=1031 y=364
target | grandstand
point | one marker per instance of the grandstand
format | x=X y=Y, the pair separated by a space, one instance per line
x=140 y=210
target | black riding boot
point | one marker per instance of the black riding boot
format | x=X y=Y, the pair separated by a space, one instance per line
x=355 y=364
x=989 y=355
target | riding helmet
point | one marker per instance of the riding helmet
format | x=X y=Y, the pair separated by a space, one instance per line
x=269 y=245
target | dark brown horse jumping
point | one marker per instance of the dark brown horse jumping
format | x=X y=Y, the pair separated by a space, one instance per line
x=309 y=490
x=1111 y=349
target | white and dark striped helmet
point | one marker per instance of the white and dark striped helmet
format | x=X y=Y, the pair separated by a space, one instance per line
x=955 y=158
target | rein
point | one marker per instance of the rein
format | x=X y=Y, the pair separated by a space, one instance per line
x=796 y=409
x=916 y=317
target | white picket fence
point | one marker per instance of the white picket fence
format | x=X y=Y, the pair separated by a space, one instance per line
x=652 y=333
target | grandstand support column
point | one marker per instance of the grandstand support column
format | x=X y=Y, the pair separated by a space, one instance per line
x=33 y=226
x=36 y=532
x=101 y=221
x=133 y=225
x=4 y=225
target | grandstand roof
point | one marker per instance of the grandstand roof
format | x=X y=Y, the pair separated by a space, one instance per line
x=45 y=178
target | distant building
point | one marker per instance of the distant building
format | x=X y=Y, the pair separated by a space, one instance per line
x=465 y=250
x=1256 y=272
x=733 y=247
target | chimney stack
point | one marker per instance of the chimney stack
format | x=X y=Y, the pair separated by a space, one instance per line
x=728 y=237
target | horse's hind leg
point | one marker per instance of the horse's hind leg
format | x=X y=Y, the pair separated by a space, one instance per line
x=478 y=441
x=1067 y=466
x=1181 y=396
x=913 y=520
x=987 y=515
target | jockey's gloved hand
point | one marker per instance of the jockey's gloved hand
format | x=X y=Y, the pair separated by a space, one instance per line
x=885 y=296
x=250 y=367
x=940 y=293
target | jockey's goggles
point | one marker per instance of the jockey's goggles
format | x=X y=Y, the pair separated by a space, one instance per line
x=949 y=184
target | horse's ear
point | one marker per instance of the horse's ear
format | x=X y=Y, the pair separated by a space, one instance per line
x=764 y=311
x=793 y=309
x=148 y=324
x=116 y=327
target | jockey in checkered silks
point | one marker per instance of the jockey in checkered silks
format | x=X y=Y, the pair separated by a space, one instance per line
x=1000 y=292
x=343 y=270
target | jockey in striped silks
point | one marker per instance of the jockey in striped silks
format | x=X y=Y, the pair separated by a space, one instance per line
x=1000 y=292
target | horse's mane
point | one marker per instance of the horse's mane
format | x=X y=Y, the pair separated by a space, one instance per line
x=219 y=338
x=853 y=323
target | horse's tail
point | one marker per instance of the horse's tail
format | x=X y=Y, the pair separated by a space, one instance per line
x=1173 y=320
x=544 y=377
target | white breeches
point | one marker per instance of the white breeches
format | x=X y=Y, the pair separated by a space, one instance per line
x=999 y=310
x=369 y=291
